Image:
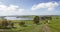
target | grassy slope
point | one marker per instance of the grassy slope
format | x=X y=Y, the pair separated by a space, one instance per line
x=55 y=24
x=30 y=27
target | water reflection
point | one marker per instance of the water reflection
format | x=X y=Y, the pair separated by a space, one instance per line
x=14 y=18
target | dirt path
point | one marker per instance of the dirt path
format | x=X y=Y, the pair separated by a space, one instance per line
x=37 y=29
x=46 y=28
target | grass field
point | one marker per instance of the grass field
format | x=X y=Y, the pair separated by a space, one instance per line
x=55 y=24
x=31 y=27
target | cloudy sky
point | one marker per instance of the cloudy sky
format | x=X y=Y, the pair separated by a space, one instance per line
x=29 y=7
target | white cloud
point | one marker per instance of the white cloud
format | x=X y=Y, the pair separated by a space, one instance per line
x=10 y=10
x=16 y=10
x=21 y=10
x=49 y=5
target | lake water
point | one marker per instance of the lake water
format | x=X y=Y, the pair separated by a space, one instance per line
x=14 y=18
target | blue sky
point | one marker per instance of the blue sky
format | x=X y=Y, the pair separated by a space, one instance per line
x=29 y=7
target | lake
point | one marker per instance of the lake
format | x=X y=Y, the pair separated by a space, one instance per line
x=15 y=18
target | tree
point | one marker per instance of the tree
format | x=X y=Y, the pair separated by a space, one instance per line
x=46 y=17
x=36 y=19
x=43 y=18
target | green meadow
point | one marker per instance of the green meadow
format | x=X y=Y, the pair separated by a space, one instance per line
x=30 y=26
x=54 y=25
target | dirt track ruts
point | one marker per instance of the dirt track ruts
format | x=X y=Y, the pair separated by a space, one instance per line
x=45 y=28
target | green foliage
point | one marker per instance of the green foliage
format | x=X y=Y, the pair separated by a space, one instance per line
x=46 y=18
x=22 y=23
x=6 y=24
x=54 y=25
x=3 y=24
x=36 y=19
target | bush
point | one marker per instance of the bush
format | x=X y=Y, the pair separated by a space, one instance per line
x=4 y=23
x=22 y=23
x=11 y=24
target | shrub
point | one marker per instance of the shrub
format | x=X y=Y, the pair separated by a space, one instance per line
x=11 y=24
x=4 y=23
x=22 y=23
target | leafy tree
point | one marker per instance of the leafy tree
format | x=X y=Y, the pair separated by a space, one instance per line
x=43 y=18
x=36 y=19
x=46 y=17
